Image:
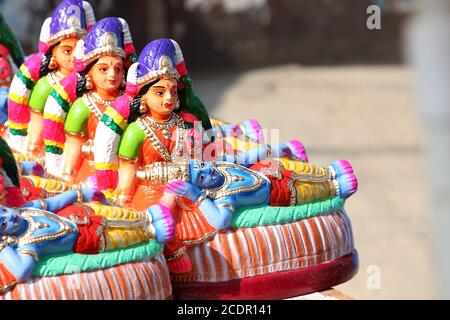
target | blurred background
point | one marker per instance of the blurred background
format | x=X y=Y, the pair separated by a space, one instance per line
x=350 y=80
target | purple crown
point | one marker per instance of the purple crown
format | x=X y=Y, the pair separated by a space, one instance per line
x=71 y=18
x=106 y=37
x=156 y=60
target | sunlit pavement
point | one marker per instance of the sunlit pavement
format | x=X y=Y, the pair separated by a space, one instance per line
x=365 y=114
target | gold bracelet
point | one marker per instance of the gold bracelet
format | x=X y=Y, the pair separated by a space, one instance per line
x=68 y=172
x=201 y=199
x=269 y=151
x=79 y=196
x=30 y=253
x=3 y=245
x=124 y=197
x=43 y=204
x=33 y=147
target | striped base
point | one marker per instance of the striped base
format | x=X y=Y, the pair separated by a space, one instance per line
x=239 y=260
x=143 y=280
x=275 y=286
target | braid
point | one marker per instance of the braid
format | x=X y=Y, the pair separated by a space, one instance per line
x=81 y=79
x=135 y=104
x=46 y=58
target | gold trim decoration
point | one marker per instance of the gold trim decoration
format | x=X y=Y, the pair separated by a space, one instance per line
x=146 y=124
x=225 y=191
x=30 y=253
x=29 y=238
x=164 y=172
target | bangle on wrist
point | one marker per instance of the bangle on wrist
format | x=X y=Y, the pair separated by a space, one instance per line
x=79 y=195
x=201 y=199
x=43 y=204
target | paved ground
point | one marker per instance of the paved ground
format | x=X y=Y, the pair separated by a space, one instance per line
x=366 y=115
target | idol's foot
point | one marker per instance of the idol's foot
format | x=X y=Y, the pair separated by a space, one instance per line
x=346 y=178
x=253 y=130
x=297 y=149
x=163 y=222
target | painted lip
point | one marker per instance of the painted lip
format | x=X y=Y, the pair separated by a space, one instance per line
x=4 y=224
x=111 y=82
x=168 y=105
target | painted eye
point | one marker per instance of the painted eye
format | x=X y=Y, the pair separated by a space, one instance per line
x=202 y=177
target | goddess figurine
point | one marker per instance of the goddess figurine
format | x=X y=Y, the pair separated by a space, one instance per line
x=42 y=74
x=11 y=57
x=101 y=60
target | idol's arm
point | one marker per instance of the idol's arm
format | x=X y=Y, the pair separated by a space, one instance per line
x=73 y=158
x=31 y=168
x=74 y=128
x=19 y=262
x=218 y=215
x=35 y=133
x=129 y=149
x=263 y=152
x=127 y=178
x=65 y=199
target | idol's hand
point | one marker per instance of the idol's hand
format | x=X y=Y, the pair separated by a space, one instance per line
x=93 y=195
x=32 y=168
x=184 y=189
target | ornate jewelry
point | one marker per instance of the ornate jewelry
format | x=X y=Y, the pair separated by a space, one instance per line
x=79 y=195
x=177 y=254
x=166 y=68
x=92 y=99
x=163 y=172
x=89 y=84
x=164 y=127
x=109 y=44
x=30 y=253
x=145 y=123
x=43 y=204
x=224 y=190
x=201 y=199
x=227 y=205
x=54 y=77
x=52 y=64
x=143 y=106
x=64 y=228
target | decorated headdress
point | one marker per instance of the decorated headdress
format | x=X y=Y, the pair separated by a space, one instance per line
x=108 y=36
x=161 y=57
x=71 y=18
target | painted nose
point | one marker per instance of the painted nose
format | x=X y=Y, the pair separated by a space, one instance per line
x=167 y=97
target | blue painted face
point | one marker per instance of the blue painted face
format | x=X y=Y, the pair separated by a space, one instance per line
x=204 y=174
x=11 y=222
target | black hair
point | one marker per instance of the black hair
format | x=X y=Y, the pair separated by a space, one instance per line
x=135 y=104
x=81 y=79
x=45 y=62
